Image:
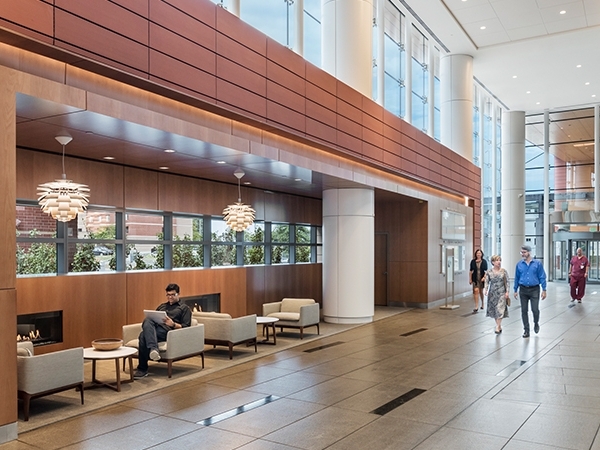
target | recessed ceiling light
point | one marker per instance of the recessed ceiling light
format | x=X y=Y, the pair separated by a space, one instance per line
x=482 y=27
x=297 y=179
x=163 y=168
x=537 y=103
x=528 y=92
x=587 y=83
x=220 y=162
x=108 y=158
x=563 y=12
x=593 y=95
x=514 y=76
x=169 y=150
x=247 y=183
x=578 y=66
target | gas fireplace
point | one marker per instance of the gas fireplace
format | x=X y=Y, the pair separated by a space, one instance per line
x=40 y=328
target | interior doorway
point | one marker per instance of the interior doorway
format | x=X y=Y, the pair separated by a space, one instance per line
x=381 y=269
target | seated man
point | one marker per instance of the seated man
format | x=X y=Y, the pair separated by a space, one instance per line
x=178 y=316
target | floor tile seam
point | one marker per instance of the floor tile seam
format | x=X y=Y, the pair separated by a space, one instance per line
x=504 y=383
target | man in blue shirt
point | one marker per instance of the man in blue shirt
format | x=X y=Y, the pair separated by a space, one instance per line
x=529 y=275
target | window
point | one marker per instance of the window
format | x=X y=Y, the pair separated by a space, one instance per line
x=420 y=80
x=395 y=62
x=312 y=31
x=273 y=17
x=102 y=240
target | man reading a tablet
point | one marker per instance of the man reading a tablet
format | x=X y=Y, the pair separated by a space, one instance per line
x=178 y=315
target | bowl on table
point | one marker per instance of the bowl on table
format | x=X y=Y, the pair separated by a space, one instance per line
x=107 y=344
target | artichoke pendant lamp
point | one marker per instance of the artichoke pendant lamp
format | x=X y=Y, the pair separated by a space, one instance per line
x=239 y=216
x=63 y=199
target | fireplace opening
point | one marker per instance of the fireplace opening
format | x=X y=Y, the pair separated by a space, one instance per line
x=208 y=302
x=40 y=328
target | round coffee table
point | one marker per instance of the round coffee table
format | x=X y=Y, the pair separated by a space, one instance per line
x=266 y=323
x=94 y=355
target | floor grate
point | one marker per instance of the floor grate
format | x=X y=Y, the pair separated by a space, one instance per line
x=239 y=410
x=414 y=332
x=321 y=347
x=389 y=406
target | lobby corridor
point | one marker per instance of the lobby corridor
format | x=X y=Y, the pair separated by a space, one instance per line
x=422 y=379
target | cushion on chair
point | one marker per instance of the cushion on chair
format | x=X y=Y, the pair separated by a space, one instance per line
x=23 y=351
x=212 y=315
x=292 y=305
x=291 y=316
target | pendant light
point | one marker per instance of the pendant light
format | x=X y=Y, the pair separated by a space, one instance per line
x=239 y=216
x=63 y=199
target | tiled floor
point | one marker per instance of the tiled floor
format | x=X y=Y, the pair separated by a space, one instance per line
x=479 y=390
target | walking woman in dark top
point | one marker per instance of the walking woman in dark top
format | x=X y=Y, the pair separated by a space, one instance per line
x=477 y=271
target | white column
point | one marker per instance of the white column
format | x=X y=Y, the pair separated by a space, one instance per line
x=547 y=230
x=494 y=234
x=298 y=45
x=347 y=35
x=348 y=255
x=234 y=7
x=456 y=73
x=512 y=221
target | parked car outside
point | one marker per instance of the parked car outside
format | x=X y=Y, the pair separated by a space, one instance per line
x=102 y=250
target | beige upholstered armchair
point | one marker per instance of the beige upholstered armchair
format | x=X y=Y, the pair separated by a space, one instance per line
x=294 y=313
x=222 y=329
x=42 y=375
x=181 y=343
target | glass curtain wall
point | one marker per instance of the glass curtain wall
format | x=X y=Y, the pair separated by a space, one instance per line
x=420 y=80
x=571 y=176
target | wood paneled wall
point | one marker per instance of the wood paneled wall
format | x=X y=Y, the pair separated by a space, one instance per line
x=225 y=66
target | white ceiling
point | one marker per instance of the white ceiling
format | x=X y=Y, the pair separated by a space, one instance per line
x=528 y=53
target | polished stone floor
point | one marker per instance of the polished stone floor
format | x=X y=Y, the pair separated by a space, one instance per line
x=423 y=379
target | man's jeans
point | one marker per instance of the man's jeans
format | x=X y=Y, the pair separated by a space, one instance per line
x=526 y=295
x=152 y=333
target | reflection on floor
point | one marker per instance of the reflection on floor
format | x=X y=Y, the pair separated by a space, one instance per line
x=423 y=379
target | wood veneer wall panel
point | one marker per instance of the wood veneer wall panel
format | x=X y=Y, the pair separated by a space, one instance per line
x=31 y=17
x=146 y=290
x=8 y=374
x=82 y=35
x=272 y=283
x=93 y=306
x=105 y=180
x=141 y=188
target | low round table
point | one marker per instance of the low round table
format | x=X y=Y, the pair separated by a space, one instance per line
x=94 y=355
x=266 y=323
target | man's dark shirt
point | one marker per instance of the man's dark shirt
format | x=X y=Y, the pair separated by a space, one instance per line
x=178 y=312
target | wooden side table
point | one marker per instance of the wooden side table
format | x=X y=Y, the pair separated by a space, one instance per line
x=94 y=355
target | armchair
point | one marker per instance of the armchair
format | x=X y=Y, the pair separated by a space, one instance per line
x=294 y=313
x=42 y=375
x=180 y=344
x=221 y=329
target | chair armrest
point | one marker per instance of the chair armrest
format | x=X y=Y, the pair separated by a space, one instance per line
x=184 y=341
x=243 y=328
x=45 y=372
x=269 y=308
x=309 y=314
x=131 y=332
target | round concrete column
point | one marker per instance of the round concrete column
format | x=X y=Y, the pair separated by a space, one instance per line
x=456 y=109
x=348 y=255
x=347 y=36
x=512 y=233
